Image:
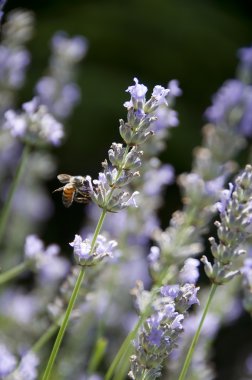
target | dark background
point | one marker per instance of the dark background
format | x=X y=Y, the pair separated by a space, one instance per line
x=156 y=41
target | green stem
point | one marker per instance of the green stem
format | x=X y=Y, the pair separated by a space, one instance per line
x=71 y=305
x=18 y=175
x=197 y=334
x=98 y=229
x=14 y=272
x=45 y=337
x=63 y=325
x=97 y=355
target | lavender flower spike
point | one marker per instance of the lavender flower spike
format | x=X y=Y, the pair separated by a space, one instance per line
x=233 y=229
x=107 y=192
x=160 y=332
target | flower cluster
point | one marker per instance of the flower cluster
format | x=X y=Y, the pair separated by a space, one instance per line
x=86 y=255
x=34 y=124
x=159 y=333
x=233 y=229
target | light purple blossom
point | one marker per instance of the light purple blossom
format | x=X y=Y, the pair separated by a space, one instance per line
x=155 y=334
x=137 y=92
x=20 y=307
x=7 y=361
x=176 y=323
x=85 y=256
x=170 y=291
x=12 y=66
x=33 y=246
x=225 y=198
x=156 y=178
x=35 y=124
x=160 y=93
x=154 y=254
x=70 y=49
x=229 y=96
x=60 y=99
x=190 y=272
x=27 y=369
x=16 y=124
x=245 y=55
x=174 y=88
x=166 y=118
x=50 y=266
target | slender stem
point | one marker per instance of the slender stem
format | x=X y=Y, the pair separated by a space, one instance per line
x=63 y=325
x=71 y=304
x=18 y=175
x=197 y=334
x=97 y=355
x=48 y=334
x=13 y=272
x=98 y=229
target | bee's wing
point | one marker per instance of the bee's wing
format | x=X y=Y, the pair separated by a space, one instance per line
x=64 y=178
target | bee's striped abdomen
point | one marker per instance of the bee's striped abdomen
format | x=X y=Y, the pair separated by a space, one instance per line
x=68 y=195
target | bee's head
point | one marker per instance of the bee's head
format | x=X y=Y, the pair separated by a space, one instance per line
x=78 y=180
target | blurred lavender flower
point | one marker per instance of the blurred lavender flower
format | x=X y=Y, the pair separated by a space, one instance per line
x=159 y=333
x=18 y=28
x=233 y=230
x=57 y=89
x=190 y=272
x=232 y=106
x=20 y=307
x=14 y=58
x=245 y=65
x=46 y=261
x=27 y=369
x=69 y=49
x=8 y=361
x=34 y=125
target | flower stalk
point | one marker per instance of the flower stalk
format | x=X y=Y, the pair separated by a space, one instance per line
x=197 y=334
x=71 y=304
x=4 y=216
x=63 y=326
x=13 y=272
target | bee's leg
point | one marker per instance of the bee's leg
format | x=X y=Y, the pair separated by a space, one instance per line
x=59 y=189
x=82 y=199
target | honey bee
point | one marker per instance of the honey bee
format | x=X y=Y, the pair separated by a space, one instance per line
x=76 y=189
